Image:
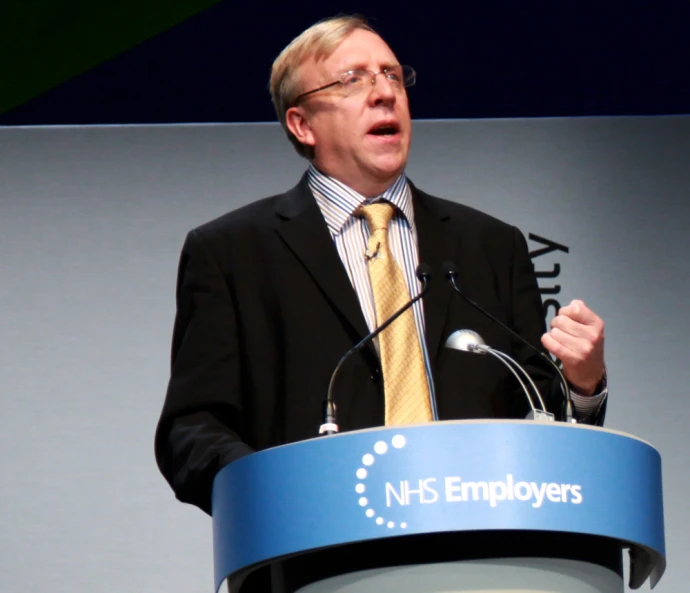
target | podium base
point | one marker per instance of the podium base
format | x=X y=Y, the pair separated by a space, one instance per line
x=510 y=575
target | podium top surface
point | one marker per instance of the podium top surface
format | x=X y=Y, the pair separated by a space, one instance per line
x=480 y=421
x=452 y=476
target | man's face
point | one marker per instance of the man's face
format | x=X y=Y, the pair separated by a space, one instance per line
x=360 y=138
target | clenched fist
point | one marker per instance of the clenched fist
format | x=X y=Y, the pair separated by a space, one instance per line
x=576 y=338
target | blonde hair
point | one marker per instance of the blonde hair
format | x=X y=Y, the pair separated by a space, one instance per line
x=319 y=41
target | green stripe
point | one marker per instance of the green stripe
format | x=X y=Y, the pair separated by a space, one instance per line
x=46 y=42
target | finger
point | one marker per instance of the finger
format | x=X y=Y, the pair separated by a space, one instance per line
x=580 y=347
x=578 y=311
x=584 y=376
x=574 y=328
x=582 y=362
x=558 y=349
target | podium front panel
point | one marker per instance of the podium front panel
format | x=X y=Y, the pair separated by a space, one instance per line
x=447 y=476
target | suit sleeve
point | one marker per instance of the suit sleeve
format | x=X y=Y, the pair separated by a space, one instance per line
x=528 y=321
x=201 y=428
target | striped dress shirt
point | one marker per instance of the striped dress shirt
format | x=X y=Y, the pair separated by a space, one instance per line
x=350 y=233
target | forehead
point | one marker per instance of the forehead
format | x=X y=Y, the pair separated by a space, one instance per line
x=360 y=48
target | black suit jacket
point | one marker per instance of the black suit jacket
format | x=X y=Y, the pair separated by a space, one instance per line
x=265 y=310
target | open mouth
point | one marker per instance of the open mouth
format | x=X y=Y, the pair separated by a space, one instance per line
x=385 y=129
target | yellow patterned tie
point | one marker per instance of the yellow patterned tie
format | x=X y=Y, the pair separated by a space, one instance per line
x=404 y=376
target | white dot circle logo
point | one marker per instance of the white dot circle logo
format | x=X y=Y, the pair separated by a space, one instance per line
x=381 y=447
x=368 y=459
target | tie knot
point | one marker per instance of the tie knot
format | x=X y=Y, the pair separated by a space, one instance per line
x=378 y=215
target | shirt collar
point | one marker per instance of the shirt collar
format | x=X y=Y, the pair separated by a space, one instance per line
x=338 y=202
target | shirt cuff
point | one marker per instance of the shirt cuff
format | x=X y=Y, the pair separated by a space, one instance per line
x=589 y=405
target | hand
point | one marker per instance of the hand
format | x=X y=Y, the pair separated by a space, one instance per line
x=576 y=338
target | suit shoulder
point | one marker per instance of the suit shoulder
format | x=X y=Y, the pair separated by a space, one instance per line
x=248 y=226
x=253 y=215
x=464 y=215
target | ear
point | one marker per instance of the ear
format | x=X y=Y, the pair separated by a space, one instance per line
x=297 y=121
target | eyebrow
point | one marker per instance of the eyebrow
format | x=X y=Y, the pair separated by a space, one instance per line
x=362 y=66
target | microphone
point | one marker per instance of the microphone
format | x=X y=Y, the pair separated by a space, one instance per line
x=330 y=426
x=470 y=341
x=451 y=274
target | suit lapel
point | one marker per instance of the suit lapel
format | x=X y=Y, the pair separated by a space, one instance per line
x=303 y=229
x=436 y=245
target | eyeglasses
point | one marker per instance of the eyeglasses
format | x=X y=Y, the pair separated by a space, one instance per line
x=356 y=80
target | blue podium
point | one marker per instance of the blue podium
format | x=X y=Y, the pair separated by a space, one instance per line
x=445 y=504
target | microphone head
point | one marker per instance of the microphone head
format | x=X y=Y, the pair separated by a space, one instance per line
x=462 y=339
x=449 y=269
x=423 y=272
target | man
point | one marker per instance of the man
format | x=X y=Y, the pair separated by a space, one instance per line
x=272 y=295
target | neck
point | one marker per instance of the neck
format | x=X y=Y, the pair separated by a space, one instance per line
x=367 y=187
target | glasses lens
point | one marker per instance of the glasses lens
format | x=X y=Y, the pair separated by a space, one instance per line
x=355 y=78
x=409 y=76
x=396 y=75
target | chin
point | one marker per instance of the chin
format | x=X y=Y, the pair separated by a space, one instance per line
x=389 y=167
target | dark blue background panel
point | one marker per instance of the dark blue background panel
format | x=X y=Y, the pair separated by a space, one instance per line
x=490 y=59
x=44 y=43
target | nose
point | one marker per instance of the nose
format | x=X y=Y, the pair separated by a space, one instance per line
x=382 y=90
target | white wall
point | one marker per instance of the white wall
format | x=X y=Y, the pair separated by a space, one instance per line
x=91 y=224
